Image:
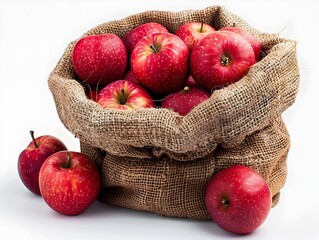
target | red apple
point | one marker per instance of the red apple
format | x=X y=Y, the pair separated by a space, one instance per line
x=31 y=159
x=185 y=100
x=99 y=59
x=129 y=75
x=69 y=182
x=190 y=81
x=221 y=58
x=124 y=94
x=238 y=199
x=136 y=34
x=254 y=42
x=192 y=32
x=160 y=62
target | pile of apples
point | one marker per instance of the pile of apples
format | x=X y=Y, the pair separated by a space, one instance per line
x=237 y=198
x=68 y=181
x=151 y=67
x=181 y=70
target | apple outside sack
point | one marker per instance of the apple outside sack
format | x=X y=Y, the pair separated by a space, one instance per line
x=158 y=161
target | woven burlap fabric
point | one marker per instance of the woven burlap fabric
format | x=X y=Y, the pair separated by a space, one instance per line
x=153 y=136
x=177 y=189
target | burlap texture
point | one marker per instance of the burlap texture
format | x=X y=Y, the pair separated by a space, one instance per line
x=177 y=189
x=158 y=161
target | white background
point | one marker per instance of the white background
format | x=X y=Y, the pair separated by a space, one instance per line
x=34 y=35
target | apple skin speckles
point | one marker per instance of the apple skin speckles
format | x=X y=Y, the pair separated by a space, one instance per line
x=69 y=182
x=99 y=59
x=164 y=70
x=183 y=101
x=238 y=199
x=192 y=33
x=31 y=159
x=124 y=95
x=221 y=58
x=135 y=35
x=254 y=42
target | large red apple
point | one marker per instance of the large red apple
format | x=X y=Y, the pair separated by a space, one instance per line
x=254 y=42
x=160 y=62
x=99 y=59
x=31 y=159
x=192 y=32
x=125 y=94
x=69 y=182
x=238 y=199
x=221 y=58
x=185 y=100
x=135 y=35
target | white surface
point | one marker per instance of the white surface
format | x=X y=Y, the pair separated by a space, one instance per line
x=33 y=36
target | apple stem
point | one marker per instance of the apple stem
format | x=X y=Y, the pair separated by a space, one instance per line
x=33 y=139
x=122 y=98
x=224 y=60
x=67 y=165
x=201 y=25
x=186 y=89
x=225 y=202
x=153 y=48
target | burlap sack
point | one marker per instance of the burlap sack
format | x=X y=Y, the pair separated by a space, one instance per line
x=158 y=161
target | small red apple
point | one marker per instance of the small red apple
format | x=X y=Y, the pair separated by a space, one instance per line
x=190 y=81
x=125 y=94
x=254 y=42
x=192 y=32
x=185 y=100
x=31 y=159
x=160 y=62
x=129 y=75
x=221 y=58
x=135 y=35
x=69 y=182
x=99 y=59
x=238 y=199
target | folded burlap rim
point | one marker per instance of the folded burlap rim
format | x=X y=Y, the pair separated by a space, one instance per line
x=177 y=189
x=226 y=118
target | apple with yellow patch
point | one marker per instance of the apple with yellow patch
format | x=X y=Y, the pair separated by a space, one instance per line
x=192 y=33
x=125 y=94
x=69 y=182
